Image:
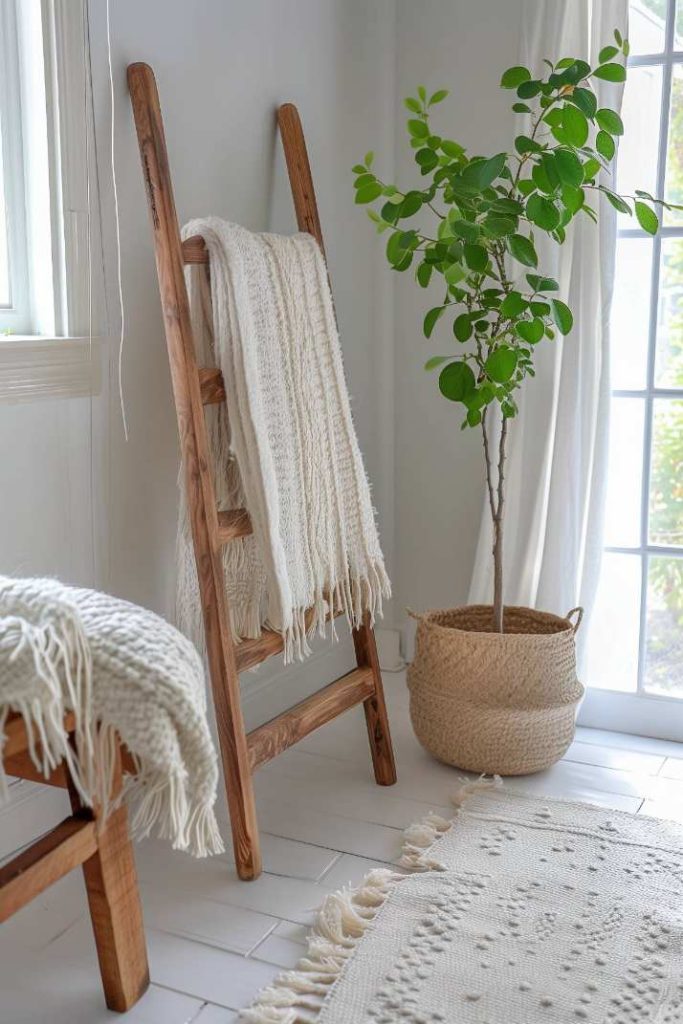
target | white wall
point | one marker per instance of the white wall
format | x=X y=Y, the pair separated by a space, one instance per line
x=462 y=46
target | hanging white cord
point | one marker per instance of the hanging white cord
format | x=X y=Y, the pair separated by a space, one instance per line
x=118 y=229
x=86 y=128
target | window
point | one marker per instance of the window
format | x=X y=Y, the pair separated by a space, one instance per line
x=636 y=643
x=14 y=301
x=47 y=192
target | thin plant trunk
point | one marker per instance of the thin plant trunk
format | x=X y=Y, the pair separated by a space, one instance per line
x=496 y=493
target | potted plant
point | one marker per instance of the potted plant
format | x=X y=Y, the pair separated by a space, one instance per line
x=494 y=688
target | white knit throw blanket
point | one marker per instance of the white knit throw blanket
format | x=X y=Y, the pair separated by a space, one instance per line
x=284 y=445
x=121 y=670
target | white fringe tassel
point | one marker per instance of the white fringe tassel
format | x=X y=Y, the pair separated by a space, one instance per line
x=296 y=997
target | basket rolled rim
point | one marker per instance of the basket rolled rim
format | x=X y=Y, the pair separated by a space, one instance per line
x=433 y=618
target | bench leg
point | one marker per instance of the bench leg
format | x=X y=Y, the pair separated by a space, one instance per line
x=375 y=707
x=115 y=910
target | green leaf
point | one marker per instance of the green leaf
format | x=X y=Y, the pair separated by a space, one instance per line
x=435 y=361
x=498 y=227
x=501 y=364
x=427 y=159
x=369 y=157
x=523 y=144
x=542 y=284
x=573 y=197
x=418 y=129
x=647 y=218
x=456 y=381
x=618 y=36
x=611 y=72
x=604 y=144
x=423 y=274
x=591 y=168
x=607 y=53
x=530 y=331
x=368 y=193
x=438 y=96
x=585 y=100
x=455 y=273
x=616 y=200
x=413 y=105
x=542 y=212
x=609 y=121
x=431 y=319
x=527 y=90
x=514 y=77
x=465 y=229
x=575 y=125
x=562 y=315
x=462 y=327
x=363 y=179
x=568 y=167
x=577 y=70
x=521 y=108
x=476 y=257
x=411 y=204
x=452 y=149
x=422 y=93
x=523 y=250
x=489 y=170
x=512 y=305
x=358 y=169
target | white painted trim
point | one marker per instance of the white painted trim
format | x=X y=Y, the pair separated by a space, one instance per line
x=632 y=713
x=42 y=367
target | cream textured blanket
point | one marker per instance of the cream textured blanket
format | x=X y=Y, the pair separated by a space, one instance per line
x=121 y=670
x=525 y=911
x=284 y=445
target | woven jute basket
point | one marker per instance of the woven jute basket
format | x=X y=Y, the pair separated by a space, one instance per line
x=500 y=703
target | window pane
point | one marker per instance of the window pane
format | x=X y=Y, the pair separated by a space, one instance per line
x=664 y=650
x=646 y=25
x=673 y=191
x=637 y=160
x=629 y=323
x=666 y=475
x=622 y=513
x=669 y=359
x=612 y=654
x=5 y=293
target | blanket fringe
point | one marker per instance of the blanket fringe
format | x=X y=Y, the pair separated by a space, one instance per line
x=297 y=996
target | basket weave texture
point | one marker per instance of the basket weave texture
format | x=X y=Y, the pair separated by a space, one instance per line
x=500 y=703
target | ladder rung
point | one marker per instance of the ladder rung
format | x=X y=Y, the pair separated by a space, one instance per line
x=271 y=739
x=233 y=523
x=211 y=385
x=249 y=653
x=194 y=250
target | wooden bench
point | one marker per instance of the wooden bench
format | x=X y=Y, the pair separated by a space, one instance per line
x=104 y=850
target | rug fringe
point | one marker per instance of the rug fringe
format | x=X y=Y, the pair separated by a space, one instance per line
x=296 y=997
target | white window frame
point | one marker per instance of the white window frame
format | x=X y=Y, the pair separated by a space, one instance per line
x=641 y=710
x=56 y=356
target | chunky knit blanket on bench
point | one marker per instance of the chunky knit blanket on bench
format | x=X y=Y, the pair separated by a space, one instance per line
x=284 y=443
x=123 y=672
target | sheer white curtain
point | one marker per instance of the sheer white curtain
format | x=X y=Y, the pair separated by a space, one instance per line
x=557 y=446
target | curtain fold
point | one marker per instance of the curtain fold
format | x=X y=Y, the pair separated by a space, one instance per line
x=557 y=446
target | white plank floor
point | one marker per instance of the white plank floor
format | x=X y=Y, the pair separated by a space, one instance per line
x=214 y=941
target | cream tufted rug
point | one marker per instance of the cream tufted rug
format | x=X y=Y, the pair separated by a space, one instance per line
x=525 y=911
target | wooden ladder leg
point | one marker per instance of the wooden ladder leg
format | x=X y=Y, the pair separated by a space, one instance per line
x=237 y=775
x=115 y=910
x=375 y=707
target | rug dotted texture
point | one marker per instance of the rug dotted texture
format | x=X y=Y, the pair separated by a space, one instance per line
x=523 y=912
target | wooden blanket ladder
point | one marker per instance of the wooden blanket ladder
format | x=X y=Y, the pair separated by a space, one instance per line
x=194 y=387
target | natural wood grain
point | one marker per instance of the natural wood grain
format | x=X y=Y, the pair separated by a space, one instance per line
x=45 y=862
x=16 y=736
x=194 y=250
x=233 y=523
x=306 y=207
x=211 y=385
x=196 y=460
x=376 y=717
x=114 y=900
x=21 y=766
x=279 y=733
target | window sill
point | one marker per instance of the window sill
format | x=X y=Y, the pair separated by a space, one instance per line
x=37 y=367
